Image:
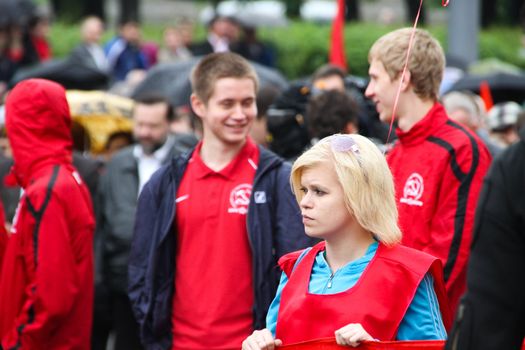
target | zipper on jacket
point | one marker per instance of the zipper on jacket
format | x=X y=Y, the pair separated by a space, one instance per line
x=329 y=284
x=331 y=280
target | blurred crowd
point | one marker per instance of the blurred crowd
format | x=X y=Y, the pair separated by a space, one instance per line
x=290 y=119
x=123 y=60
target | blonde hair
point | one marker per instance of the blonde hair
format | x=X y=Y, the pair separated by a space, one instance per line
x=216 y=66
x=426 y=63
x=365 y=178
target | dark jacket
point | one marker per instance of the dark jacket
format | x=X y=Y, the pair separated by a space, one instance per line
x=116 y=206
x=82 y=56
x=492 y=313
x=202 y=48
x=274 y=228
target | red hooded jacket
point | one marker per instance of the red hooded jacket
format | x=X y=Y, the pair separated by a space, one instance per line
x=438 y=168
x=46 y=282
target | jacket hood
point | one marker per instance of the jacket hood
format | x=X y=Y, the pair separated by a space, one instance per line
x=38 y=126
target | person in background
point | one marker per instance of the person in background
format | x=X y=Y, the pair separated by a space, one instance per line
x=185 y=122
x=252 y=48
x=468 y=109
x=89 y=52
x=259 y=131
x=7 y=64
x=115 y=142
x=437 y=194
x=150 y=49
x=174 y=49
x=332 y=112
x=185 y=26
x=503 y=121
x=211 y=224
x=39 y=28
x=222 y=32
x=46 y=282
x=126 y=174
x=287 y=122
x=329 y=77
x=359 y=283
x=124 y=52
x=492 y=313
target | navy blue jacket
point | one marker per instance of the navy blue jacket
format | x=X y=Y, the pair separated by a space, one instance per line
x=274 y=227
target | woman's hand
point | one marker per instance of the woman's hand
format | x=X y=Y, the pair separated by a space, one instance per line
x=261 y=340
x=352 y=334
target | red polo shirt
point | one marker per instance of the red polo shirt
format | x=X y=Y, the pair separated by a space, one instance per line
x=213 y=299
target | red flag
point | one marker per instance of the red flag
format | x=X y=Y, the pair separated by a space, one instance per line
x=486 y=95
x=337 y=42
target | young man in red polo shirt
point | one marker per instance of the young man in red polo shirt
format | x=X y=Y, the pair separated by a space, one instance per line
x=438 y=164
x=211 y=225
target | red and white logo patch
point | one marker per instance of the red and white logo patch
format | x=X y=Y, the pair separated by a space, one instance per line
x=240 y=198
x=413 y=190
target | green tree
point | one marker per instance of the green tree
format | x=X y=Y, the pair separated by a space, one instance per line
x=73 y=11
x=293 y=7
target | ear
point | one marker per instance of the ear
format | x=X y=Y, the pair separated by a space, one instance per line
x=406 y=80
x=198 y=106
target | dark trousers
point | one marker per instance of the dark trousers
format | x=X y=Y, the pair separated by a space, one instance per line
x=113 y=314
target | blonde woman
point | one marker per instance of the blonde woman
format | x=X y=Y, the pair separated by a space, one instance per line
x=358 y=283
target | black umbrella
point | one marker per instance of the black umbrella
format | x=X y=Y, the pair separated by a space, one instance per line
x=503 y=86
x=16 y=12
x=173 y=80
x=65 y=72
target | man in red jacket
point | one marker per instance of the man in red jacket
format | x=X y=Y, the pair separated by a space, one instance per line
x=438 y=164
x=46 y=282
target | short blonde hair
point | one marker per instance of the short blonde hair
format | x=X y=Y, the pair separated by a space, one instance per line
x=426 y=63
x=216 y=66
x=366 y=181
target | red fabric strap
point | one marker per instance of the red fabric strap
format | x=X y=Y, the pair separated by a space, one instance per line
x=330 y=344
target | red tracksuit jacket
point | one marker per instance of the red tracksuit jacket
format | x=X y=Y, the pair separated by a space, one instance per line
x=438 y=167
x=46 y=282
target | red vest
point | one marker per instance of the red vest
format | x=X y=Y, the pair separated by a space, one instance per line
x=379 y=300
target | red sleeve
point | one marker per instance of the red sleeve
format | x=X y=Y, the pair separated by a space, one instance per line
x=50 y=296
x=452 y=223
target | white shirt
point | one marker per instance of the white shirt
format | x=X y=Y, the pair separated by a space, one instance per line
x=98 y=56
x=219 y=44
x=147 y=164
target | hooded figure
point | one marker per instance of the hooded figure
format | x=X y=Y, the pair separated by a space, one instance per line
x=46 y=281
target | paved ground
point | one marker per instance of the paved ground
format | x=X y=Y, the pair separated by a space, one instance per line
x=372 y=10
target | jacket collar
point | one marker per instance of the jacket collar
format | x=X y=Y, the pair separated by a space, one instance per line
x=435 y=117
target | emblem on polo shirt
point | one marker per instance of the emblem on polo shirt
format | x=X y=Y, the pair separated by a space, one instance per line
x=240 y=198
x=413 y=190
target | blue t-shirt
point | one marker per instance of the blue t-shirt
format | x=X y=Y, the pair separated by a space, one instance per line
x=421 y=322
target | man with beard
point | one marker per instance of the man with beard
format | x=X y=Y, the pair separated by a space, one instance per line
x=126 y=174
